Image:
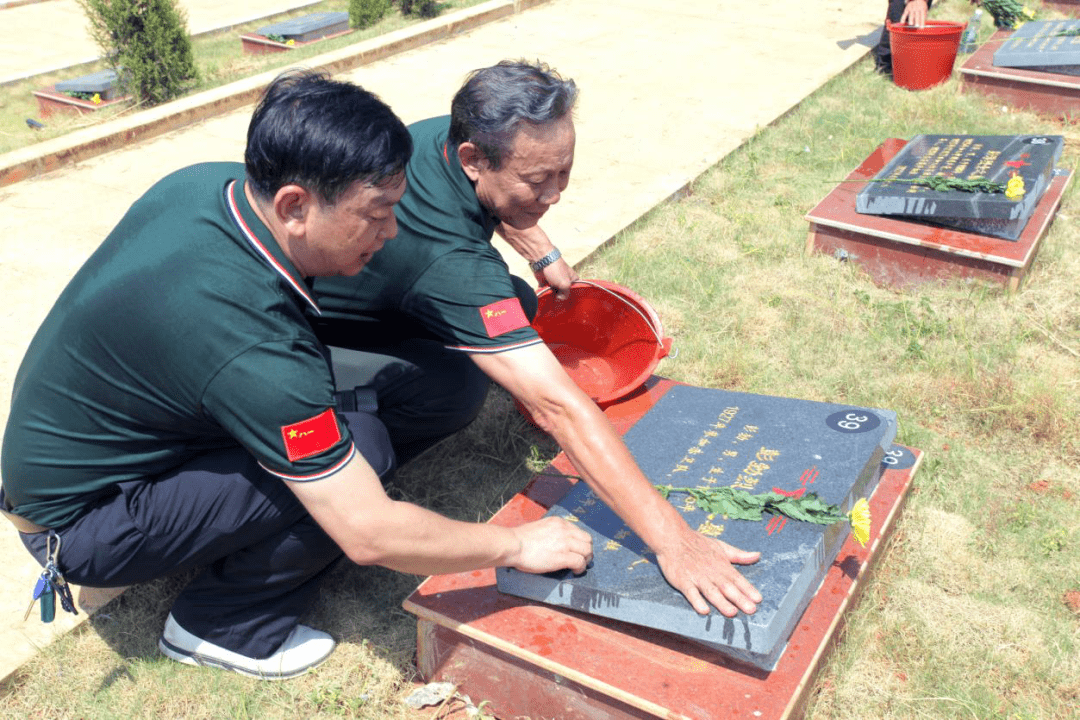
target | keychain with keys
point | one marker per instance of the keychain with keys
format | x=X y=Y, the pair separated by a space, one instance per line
x=49 y=584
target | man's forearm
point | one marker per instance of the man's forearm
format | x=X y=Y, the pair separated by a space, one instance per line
x=602 y=458
x=412 y=539
x=372 y=529
x=531 y=244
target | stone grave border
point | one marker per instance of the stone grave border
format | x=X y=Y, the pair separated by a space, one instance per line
x=1053 y=94
x=898 y=252
x=536 y=660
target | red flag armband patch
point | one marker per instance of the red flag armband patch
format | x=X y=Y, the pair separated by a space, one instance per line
x=312 y=436
x=503 y=317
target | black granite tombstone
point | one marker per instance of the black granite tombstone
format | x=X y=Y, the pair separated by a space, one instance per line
x=966 y=157
x=104 y=83
x=696 y=437
x=1042 y=46
x=309 y=27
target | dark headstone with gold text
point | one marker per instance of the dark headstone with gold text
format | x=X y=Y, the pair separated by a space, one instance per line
x=996 y=158
x=1043 y=46
x=699 y=437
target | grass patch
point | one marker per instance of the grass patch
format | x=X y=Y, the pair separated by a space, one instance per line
x=968 y=613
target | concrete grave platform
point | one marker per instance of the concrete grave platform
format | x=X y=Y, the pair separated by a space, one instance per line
x=1048 y=93
x=535 y=660
x=901 y=252
x=699 y=437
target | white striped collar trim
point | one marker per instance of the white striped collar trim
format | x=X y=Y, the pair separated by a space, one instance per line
x=234 y=209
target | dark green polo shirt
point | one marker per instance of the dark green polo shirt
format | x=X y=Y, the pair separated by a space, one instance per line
x=441 y=272
x=184 y=333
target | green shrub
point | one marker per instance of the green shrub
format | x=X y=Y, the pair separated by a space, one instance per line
x=147 y=43
x=365 y=13
x=420 y=8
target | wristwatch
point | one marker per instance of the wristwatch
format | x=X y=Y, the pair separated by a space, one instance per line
x=546 y=260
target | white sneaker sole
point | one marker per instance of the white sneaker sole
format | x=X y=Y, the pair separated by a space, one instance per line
x=199 y=660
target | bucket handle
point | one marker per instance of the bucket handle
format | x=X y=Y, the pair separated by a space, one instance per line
x=665 y=345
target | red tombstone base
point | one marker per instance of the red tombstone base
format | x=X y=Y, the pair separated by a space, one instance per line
x=537 y=661
x=1046 y=93
x=899 y=253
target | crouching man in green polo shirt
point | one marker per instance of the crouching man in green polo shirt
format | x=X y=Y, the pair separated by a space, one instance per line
x=177 y=410
x=450 y=316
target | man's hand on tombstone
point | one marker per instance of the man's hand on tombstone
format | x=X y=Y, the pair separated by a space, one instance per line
x=552 y=544
x=915 y=13
x=560 y=276
x=702 y=570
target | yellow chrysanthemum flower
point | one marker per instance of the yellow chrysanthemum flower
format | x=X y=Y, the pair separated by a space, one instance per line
x=96 y=99
x=860 y=521
x=1014 y=189
x=290 y=42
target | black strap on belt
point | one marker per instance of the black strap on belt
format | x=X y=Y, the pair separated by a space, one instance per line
x=360 y=399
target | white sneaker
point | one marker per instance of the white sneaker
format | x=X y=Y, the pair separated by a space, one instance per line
x=304 y=649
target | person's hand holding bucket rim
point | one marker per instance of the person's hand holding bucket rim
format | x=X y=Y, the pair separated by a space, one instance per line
x=559 y=276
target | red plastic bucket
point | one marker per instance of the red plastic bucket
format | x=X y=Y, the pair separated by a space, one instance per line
x=923 y=57
x=607 y=339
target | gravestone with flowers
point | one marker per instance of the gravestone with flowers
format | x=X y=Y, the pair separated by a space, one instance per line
x=985 y=184
x=104 y=84
x=295 y=32
x=717 y=455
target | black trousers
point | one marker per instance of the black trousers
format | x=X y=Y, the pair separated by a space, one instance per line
x=263 y=554
x=423 y=391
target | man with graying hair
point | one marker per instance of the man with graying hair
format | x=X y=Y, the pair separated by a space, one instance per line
x=176 y=409
x=448 y=315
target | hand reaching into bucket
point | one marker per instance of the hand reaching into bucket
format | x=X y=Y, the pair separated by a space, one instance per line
x=914 y=13
x=560 y=276
x=533 y=244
